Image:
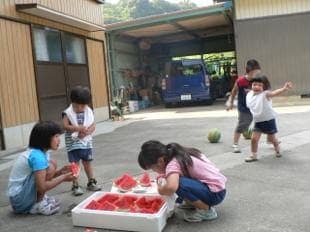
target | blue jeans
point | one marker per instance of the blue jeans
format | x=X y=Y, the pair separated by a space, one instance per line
x=26 y=198
x=194 y=190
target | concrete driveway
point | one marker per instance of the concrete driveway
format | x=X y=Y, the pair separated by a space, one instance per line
x=269 y=195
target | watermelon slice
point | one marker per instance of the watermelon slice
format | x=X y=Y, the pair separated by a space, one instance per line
x=141 y=202
x=75 y=169
x=130 y=199
x=123 y=203
x=156 y=206
x=133 y=209
x=145 y=180
x=93 y=205
x=107 y=206
x=125 y=183
x=120 y=179
x=110 y=197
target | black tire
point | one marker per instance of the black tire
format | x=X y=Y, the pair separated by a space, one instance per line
x=168 y=105
x=209 y=101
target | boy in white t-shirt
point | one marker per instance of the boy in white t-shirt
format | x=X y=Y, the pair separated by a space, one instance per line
x=258 y=100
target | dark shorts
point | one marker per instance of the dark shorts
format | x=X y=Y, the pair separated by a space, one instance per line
x=244 y=121
x=80 y=154
x=194 y=190
x=266 y=127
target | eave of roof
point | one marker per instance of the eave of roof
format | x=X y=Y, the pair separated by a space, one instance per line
x=168 y=17
x=53 y=15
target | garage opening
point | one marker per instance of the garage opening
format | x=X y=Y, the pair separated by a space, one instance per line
x=139 y=49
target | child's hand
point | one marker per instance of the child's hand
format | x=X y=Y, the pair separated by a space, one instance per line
x=288 y=85
x=69 y=177
x=81 y=135
x=82 y=129
x=65 y=169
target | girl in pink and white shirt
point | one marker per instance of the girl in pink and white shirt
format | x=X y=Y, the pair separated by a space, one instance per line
x=189 y=174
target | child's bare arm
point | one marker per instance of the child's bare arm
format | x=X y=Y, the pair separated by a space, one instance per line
x=171 y=185
x=70 y=128
x=287 y=86
x=91 y=129
x=233 y=94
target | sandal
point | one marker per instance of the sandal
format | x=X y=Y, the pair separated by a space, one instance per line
x=251 y=158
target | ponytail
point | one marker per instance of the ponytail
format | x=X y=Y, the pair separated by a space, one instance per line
x=183 y=155
x=152 y=150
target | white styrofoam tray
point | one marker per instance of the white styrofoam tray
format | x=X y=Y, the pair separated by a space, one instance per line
x=119 y=220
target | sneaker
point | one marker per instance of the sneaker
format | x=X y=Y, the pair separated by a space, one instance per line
x=92 y=185
x=77 y=190
x=251 y=158
x=186 y=205
x=278 y=154
x=200 y=215
x=236 y=148
x=52 y=200
x=44 y=207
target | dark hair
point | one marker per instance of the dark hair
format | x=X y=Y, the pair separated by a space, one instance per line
x=42 y=133
x=80 y=95
x=252 y=65
x=262 y=79
x=152 y=150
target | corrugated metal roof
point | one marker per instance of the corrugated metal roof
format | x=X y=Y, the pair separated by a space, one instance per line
x=180 y=25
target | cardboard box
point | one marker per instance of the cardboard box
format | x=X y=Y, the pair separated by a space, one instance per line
x=119 y=220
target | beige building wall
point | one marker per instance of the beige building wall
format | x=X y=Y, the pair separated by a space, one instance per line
x=18 y=96
x=98 y=78
x=245 y=9
x=281 y=45
x=18 y=99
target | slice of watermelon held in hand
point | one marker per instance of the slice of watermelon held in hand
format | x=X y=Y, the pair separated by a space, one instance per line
x=75 y=169
x=145 y=180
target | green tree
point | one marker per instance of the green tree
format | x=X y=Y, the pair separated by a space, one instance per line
x=132 y=9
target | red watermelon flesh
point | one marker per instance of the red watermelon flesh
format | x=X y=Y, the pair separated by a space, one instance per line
x=123 y=203
x=143 y=203
x=130 y=199
x=75 y=169
x=93 y=205
x=127 y=183
x=132 y=209
x=119 y=180
x=107 y=206
x=145 y=180
x=110 y=197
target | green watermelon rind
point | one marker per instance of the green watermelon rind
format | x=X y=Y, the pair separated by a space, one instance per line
x=214 y=136
x=247 y=134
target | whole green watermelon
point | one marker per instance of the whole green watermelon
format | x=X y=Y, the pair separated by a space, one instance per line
x=214 y=135
x=247 y=134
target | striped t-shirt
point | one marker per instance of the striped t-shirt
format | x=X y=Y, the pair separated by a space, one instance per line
x=75 y=143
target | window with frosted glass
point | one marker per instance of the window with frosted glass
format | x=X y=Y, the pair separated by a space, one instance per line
x=74 y=49
x=47 y=45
